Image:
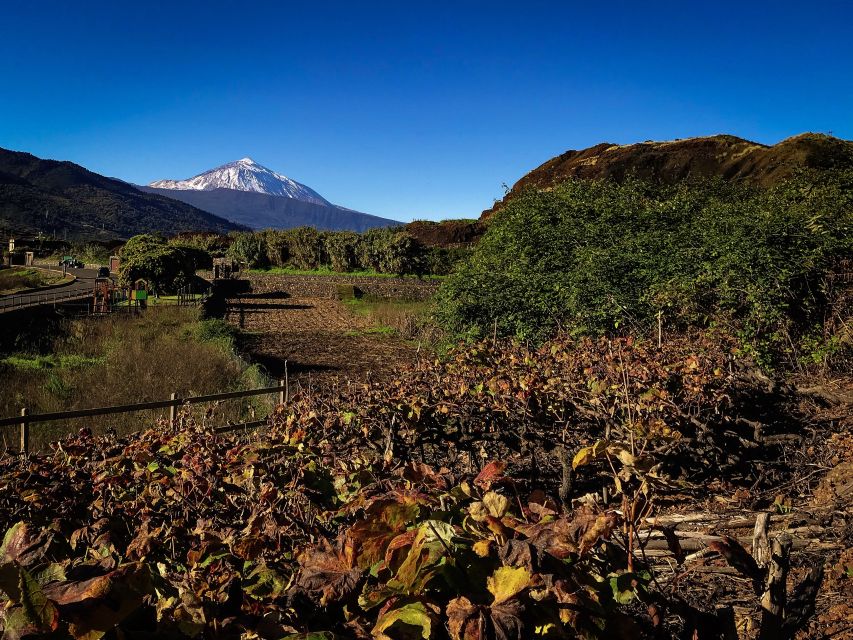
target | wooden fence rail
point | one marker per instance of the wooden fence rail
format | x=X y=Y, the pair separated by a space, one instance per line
x=26 y=419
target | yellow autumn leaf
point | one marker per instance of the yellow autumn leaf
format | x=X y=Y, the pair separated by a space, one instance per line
x=507 y=582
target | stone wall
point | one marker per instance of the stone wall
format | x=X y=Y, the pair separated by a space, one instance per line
x=327 y=286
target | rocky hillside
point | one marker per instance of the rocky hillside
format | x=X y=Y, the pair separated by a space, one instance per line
x=729 y=157
x=69 y=201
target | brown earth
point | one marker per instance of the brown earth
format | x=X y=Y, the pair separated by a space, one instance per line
x=320 y=339
x=447 y=233
x=728 y=157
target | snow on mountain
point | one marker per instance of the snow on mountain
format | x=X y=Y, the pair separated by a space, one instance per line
x=245 y=175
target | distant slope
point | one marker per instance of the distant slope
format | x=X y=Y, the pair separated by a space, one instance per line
x=264 y=211
x=64 y=199
x=729 y=157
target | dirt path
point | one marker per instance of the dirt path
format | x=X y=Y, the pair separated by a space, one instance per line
x=317 y=336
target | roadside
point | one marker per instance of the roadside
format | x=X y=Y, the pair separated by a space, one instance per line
x=22 y=280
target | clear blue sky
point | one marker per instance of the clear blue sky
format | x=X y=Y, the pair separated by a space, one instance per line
x=408 y=109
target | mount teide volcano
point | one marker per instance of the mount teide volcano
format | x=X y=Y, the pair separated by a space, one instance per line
x=250 y=194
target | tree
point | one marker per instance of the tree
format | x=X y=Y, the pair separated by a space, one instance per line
x=248 y=248
x=166 y=267
x=342 y=248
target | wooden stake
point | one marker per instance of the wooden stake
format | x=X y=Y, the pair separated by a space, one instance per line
x=25 y=432
x=173 y=409
x=660 y=332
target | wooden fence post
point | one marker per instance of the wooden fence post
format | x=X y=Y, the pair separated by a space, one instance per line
x=282 y=384
x=25 y=432
x=173 y=409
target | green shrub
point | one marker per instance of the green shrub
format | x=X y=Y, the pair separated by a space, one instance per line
x=342 y=248
x=249 y=248
x=441 y=261
x=166 y=267
x=596 y=257
x=391 y=251
x=278 y=247
x=217 y=331
x=306 y=248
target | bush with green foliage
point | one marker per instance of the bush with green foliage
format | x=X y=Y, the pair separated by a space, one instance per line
x=342 y=248
x=442 y=261
x=277 y=246
x=595 y=257
x=213 y=243
x=306 y=247
x=164 y=266
x=248 y=248
x=391 y=251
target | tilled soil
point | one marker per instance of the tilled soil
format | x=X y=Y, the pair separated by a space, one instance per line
x=318 y=338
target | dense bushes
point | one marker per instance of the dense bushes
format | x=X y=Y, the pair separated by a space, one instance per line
x=391 y=251
x=165 y=266
x=598 y=256
x=248 y=248
x=388 y=251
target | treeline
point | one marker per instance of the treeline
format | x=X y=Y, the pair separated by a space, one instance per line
x=773 y=267
x=168 y=264
x=388 y=251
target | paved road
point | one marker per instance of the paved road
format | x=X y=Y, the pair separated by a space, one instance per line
x=83 y=286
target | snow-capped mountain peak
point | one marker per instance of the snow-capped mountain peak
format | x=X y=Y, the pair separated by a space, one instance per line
x=245 y=175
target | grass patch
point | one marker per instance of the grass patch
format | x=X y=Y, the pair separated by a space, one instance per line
x=216 y=331
x=373 y=331
x=153 y=301
x=17 y=279
x=50 y=361
x=403 y=318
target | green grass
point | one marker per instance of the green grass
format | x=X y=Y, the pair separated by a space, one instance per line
x=327 y=271
x=152 y=301
x=403 y=318
x=19 y=279
x=373 y=331
x=50 y=361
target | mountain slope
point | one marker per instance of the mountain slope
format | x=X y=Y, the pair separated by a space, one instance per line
x=62 y=198
x=248 y=193
x=262 y=211
x=245 y=175
x=729 y=157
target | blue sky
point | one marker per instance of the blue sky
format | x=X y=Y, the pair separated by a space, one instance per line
x=408 y=109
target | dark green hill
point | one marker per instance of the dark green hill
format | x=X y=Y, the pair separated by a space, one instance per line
x=68 y=201
x=729 y=157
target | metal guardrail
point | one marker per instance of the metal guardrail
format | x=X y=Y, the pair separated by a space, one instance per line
x=25 y=419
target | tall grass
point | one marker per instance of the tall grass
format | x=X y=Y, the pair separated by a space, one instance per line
x=404 y=318
x=124 y=359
